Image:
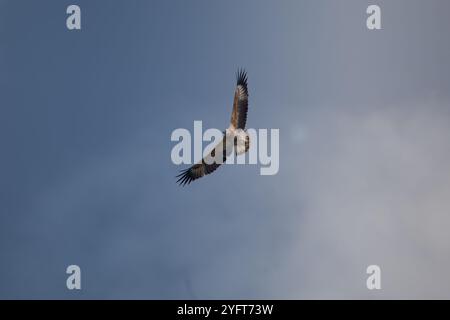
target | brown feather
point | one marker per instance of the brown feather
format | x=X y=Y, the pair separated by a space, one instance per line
x=240 y=101
x=202 y=168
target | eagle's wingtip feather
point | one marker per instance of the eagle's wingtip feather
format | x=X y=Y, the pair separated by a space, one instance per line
x=241 y=78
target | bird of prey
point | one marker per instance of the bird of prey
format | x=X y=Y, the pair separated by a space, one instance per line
x=235 y=137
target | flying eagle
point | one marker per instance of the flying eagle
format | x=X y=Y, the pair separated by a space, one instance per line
x=234 y=137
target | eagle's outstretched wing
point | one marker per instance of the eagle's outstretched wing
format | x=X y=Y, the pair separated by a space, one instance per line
x=240 y=102
x=208 y=164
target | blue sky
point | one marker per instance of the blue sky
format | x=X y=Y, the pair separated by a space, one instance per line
x=86 y=175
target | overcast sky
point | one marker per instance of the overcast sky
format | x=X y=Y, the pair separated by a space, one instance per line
x=86 y=176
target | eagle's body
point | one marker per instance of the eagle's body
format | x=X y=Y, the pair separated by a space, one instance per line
x=235 y=137
x=241 y=140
